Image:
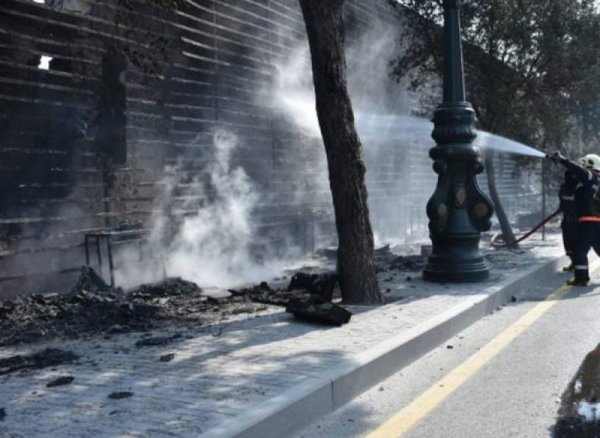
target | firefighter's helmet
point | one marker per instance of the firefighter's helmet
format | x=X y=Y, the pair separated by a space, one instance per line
x=591 y=161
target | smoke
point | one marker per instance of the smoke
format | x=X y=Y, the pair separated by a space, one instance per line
x=292 y=94
x=389 y=139
x=220 y=243
x=214 y=245
x=370 y=86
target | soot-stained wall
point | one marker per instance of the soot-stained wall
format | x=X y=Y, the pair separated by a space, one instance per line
x=108 y=121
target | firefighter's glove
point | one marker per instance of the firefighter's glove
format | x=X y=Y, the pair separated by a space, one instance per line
x=556 y=157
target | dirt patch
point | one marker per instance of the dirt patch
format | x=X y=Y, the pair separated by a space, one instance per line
x=49 y=357
x=94 y=308
x=579 y=412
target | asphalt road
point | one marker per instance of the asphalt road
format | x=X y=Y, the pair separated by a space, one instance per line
x=515 y=393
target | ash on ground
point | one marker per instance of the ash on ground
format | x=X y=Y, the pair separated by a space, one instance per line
x=93 y=308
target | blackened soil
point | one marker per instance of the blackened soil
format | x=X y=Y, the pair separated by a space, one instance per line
x=93 y=308
x=49 y=357
x=106 y=311
x=408 y=263
x=263 y=293
x=386 y=260
x=305 y=287
x=584 y=387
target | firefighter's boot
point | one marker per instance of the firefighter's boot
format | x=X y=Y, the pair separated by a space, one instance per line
x=576 y=282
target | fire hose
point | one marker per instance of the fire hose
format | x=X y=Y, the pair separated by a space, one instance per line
x=495 y=240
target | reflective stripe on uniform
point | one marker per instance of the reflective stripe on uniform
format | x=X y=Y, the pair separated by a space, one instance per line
x=581 y=267
x=567 y=198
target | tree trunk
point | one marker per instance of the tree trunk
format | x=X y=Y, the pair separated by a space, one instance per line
x=507 y=232
x=325 y=30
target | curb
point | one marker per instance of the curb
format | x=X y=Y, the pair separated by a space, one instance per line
x=301 y=405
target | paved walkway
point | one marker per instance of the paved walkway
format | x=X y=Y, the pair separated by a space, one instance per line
x=220 y=372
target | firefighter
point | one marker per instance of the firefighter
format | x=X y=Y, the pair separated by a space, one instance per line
x=568 y=224
x=587 y=211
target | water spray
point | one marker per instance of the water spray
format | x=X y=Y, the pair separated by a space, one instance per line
x=485 y=140
x=400 y=127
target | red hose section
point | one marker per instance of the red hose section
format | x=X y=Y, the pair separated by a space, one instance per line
x=526 y=235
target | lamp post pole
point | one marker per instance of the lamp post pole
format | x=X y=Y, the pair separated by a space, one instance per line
x=458 y=210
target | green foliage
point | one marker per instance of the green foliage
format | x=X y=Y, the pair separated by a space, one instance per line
x=531 y=65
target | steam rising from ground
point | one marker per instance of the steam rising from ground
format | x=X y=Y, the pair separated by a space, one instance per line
x=211 y=247
x=215 y=246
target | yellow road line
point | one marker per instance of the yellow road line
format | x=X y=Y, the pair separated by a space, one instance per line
x=407 y=417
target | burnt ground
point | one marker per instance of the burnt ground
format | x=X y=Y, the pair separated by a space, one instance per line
x=579 y=412
x=92 y=308
x=91 y=311
x=49 y=357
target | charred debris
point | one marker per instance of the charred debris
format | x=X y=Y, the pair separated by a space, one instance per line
x=93 y=307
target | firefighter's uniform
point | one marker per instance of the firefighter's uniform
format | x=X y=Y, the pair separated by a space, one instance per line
x=568 y=224
x=587 y=234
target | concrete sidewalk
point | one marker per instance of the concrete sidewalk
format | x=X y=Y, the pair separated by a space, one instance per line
x=263 y=376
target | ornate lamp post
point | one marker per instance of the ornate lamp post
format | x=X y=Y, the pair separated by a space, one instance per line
x=458 y=210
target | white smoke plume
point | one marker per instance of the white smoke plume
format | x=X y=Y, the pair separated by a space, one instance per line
x=377 y=100
x=211 y=247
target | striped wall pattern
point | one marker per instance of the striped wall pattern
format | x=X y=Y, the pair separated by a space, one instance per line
x=70 y=165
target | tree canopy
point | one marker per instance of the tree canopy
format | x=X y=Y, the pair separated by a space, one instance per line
x=531 y=65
